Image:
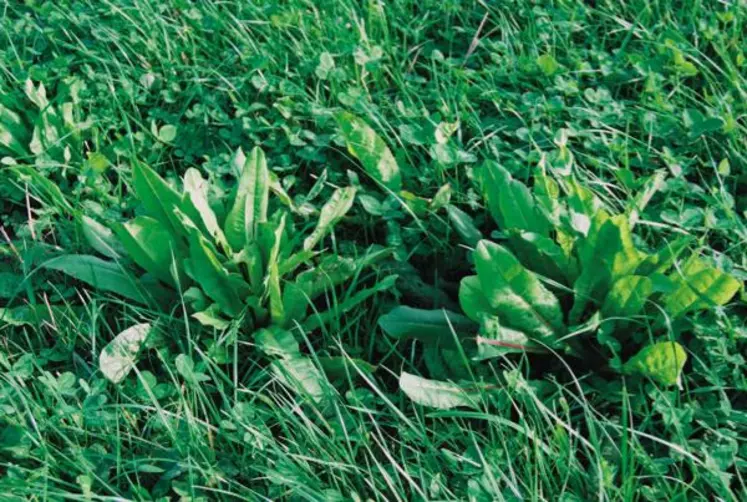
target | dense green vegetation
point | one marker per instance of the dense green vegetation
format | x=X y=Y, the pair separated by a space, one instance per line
x=362 y=250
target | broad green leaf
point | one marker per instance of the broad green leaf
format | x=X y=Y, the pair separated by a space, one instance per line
x=365 y=145
x=337 y=206
x=332 y=271
x=158 y=198
x=100 y=274
x=207 y=271
x=119 y=356
x=544 y=256
x=101 y=238
x=464 y=226
x=196 y=192
x=700 y=286
x=473 y=301
x=610 y=254
x=25 y=315
x=515 y=294
x=495 y=340
x=510 y=202
x=627 y=296
x=436 y=394
x=277 y=309
x=661 y=361
x=167 y=133
x=252 y=198
x=439 y=327
x=211 y=317
x=10 y=284
x=150 y=245
x=275 y=341
x=301 y=376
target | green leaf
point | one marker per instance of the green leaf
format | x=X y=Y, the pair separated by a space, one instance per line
x=101 y=238
x=661 y=361
x=606 y=255
x=275 y=341
x=150 y=245
x=472 y=299
x=158 y=198
x=627 y=296
x=495 y=340
x=510 y=202
x=100 y=274
x=365 y=145
x=337 y=206
x=436 y=394
x=332 y=271
x=544 y=256
x=211 y=317
x=252 y=198
x=516 y=295
x=196 y=192
x=439 y=327
x=300 y=375
x=464 y=226
x=665 y=257
x=206 y=270
x=119 y=356
x=547 y=64
x=700 y=287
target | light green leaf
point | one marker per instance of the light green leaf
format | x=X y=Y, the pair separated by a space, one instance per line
x=252 y=198
x=516 y=295
x=119 y=356
x=300 y=375
x=436 y=394
x=275 y=341
x=473 y=301
x=510 y=202
x=627 y=296
x=196 y=192
x=464 y=226
x=439 y=327
x=211 y=317
x=663 y=259
x=337 y=206
x=661 y=361
x=98 y=273
x=167 y=133
x=101 y=238
x=365 y=145
x=150 y=245
x=608 y=255
x=701 y=286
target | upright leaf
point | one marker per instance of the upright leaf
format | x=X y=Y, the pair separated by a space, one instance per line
x=472 y=299
x=206 y=270
x=516 y=295
x=365 y=145
x=119 y=356
x=510 y=202
x=337 y=206
x=150 y=245
x=196 y=192
x=159 y=199
x=250 y=205
x=464 y=226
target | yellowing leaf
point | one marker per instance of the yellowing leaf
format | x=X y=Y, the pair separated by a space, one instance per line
x=365 y=145
x=661 y=361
